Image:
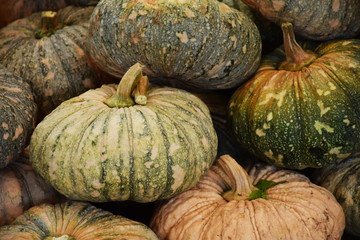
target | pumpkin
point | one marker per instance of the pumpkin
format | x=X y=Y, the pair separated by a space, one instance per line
x=301 y=108
x=343 y=180
x=73 y=221
x=202 y=44
x=20 y=189
x=48 y=50
x=107 y=145
x=17 y=116
x=320 y=20
x=11 y=10
x=265 y=203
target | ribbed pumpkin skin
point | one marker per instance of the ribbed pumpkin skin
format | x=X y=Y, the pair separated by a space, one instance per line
x=17 y=116
x=56 y=67
x=73 y=221
x=202 y=43
x=20 y=189
x=343 y=180
x=317 y=20
x=296 y=209
x=89 y=151
x=305 y=118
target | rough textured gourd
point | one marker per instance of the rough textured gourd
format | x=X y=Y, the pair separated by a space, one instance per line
x=202 y=43
x=343 y=180
x=317 y=20
x=106 y=145
x=22 y=188
x=265 y=203
x=73 y=221
x=17 y=116
x=301 y=109
x=48 y=51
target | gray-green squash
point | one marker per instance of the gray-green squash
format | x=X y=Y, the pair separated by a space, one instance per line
x=106 y=145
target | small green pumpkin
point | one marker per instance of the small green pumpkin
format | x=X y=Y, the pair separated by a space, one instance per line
x=17 y=116
x=106 y=145
x=301 y=109
x=200 y=43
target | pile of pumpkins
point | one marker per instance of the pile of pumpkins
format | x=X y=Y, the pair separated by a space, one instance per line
x=179 y=119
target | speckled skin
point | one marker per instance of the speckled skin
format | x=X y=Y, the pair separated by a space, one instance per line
x=317 y=20
x=304 y=118
x=74 y=221
x=89 y=151
x=56 y=67
x=20 y=189
x=343 y=180
x=17 y=116
x=201 y=43
x=296 y=209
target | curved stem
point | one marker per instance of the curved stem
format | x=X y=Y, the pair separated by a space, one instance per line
x=296 y=57
x=141 y=90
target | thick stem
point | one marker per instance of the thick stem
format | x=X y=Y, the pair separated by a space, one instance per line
x=296 y=57
x=123 y=96
x=141 y=91
x=48 y=24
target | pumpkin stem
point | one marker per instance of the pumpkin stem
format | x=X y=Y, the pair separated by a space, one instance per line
x=132 y=79
x=48 y=24
x=296 y=57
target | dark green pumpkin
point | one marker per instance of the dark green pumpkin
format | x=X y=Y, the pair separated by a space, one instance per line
x=17 y=116
x=49 y=53
x=317 y=20
x=343 y=180
x=200 y=43
x=301 y=109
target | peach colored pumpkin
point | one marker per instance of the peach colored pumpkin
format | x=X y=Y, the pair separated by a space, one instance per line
x=218 y=207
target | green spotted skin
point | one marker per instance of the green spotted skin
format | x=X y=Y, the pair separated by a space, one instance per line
x=343 y=180
x=89 y=151
x=17 y=116
x=57 y=66
x=202 y=44
x=304 y=118
x=73 y=221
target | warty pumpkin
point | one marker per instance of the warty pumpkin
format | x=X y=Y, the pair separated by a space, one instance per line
x=17 y=116
x=73 y=221
x=343 y=180
x=107 y=145
x=22 y=188
x=317 y=20
x=301 y=109
x=200 y=43
x=47 y=50
x=265 y=203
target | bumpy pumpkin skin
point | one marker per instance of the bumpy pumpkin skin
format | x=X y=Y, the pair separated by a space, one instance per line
x=57 y=67
x=317 y=20
x=202 y=43
x=20 y=189
x=90 y=151
x=303 y=118
x=296 y=209
x=17 y=116
x=343 y=180
x=73 y=221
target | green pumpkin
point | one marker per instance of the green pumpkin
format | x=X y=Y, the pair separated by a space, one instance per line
x=202 y=44
x=343 y=180
x=301 y=109
x=106 y=145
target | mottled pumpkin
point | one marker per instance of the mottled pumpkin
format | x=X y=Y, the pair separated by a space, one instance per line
x=73 y=221
x=48 y=51
x=106 y=145
x=343 y=180
x=199 y=43
x=301 y=109
x=317 y=20
x=265 y=203
x=17 y=116
x=22 y=188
